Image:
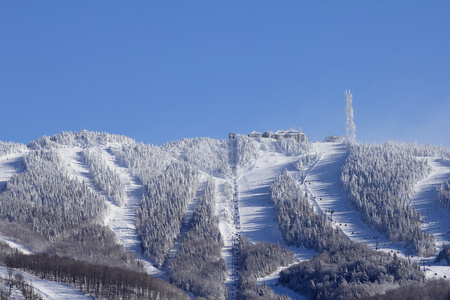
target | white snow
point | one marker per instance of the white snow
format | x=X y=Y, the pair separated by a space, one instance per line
x=48 y=289
x=257 y=213
x=435 y=219
x=13 y=244
x=9 y=165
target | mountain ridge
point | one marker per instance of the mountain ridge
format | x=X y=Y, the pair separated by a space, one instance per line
x=259 y=161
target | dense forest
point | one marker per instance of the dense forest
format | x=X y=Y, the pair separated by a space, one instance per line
x=198 y=266
x=379 y=180
x=10 y=147
x=50 y=212
x=97 y=280
x=259 y=260
x=429 y=290
x=208 y=155
x=105 y=178
x=298 y=223
x=161 y=212
x=82 y=138
x=443 y=195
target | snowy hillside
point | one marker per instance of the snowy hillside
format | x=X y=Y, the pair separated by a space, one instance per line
x=233 y=219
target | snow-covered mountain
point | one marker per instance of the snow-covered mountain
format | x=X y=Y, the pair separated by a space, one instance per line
x=240 y=218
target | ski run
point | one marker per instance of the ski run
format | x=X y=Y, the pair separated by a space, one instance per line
x=249 y=211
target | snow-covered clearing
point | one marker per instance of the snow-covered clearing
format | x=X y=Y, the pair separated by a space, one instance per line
x=258 y=218
x=48 y=289
x=13 y=244
x=435 y=219
x=257 y=212
x=9 y=165
x=121 y=219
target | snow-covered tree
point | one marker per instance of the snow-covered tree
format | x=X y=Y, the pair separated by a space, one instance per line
x=104 y=177
x=198 y=266
x=379 y=181
x=443 y=195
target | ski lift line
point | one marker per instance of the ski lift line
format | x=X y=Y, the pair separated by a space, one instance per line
x=234 y=205
x=312 y=167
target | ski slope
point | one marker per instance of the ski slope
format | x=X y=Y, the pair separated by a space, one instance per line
x=9 y=165
x=324 y=183
x=435 y=219
x=258 y=222
x=119 y=219
x=49 y=290
x=257 y=212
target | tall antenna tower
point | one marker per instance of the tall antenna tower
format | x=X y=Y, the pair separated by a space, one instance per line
x=350 y=127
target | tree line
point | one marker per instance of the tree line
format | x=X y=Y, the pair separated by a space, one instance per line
x=97 y=280
x=10 y=147
x=443 y=195
x=83 y=138
x=161 y=212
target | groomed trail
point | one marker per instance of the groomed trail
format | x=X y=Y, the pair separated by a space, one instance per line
x=48 y=290
x=258 y=221
x=435 y=219
x=121 y=219
x=10 y=164
x=324 y=182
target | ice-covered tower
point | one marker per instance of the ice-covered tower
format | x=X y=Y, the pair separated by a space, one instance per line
x=350 y=127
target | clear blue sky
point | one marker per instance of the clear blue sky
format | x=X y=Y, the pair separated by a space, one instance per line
x=159 y=71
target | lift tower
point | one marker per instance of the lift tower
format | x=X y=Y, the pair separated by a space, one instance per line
x=350 y=127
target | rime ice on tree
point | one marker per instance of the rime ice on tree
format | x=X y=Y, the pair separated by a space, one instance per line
x=350 y=127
